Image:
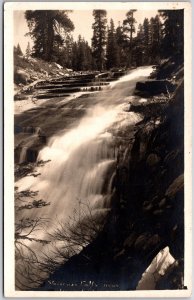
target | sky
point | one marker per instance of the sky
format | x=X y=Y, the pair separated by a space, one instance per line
x=82 y=20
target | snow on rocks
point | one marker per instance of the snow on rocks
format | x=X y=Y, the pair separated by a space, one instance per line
x=158 y=267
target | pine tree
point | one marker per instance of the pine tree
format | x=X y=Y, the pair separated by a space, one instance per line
x=28 y=50
x=112 y=54
x=74 y=57
x=122 y=46
x=46 y=27
x=155 y=39
x=18 y=50
x=81 y=54
x=146 y=42
x=88 y=56
x=139 y=47
x=65 y=52
x=68 y=41
x=14 y=49
x=84 y=55
x=173 y=33
x=129 y=29
x=99 y=38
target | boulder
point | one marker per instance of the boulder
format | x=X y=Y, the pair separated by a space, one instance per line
x=152 y=160
x=21 y=76
x=176 y=186
x=155 y=87
x=140 y=241
x=158 y=212
x=173 y=278
x=171 y=156
x=20 y=97
x=147 y=206
x=162 y=203
x=130 y=240
x=151 y=242
x=58 y=66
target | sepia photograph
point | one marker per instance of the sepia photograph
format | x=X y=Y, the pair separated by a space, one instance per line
x=97 y=149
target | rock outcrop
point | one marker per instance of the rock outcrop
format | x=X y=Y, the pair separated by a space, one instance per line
x=155 y=87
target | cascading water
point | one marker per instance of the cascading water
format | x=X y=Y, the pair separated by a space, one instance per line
x=23 y=154
x=35 y=131
x=80 y=159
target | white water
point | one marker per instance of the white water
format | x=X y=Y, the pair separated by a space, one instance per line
x=81 y=157
x=23 y=154
x=28 y=141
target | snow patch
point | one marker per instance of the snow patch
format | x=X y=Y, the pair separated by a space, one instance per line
x=158 y=267
x=143 y=100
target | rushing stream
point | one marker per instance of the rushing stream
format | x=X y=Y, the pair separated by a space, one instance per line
x=80 y=160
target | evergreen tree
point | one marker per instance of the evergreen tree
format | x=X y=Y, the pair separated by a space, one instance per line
x=65 y=52
x=155 y=39
x=139 y=47
x=173 y=32
x=46 y=28
x=146 y=42
x=129 y=29
x=84 y=55
x=68 y=45
x=58 y=43
x=28 y=50
x=75 y=57
x=88 y=56
x=122 y=46
x=18 y=50
x=99 y=38
x=112 y=54
x=81 y=55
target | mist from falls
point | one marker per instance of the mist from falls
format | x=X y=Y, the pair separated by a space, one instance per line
x=81 y=158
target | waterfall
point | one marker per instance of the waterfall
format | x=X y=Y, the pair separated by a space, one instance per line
x=81 y=158
x=32 y=135
x=23 y=154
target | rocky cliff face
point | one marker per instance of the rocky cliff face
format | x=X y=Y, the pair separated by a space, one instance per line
x=147 y=208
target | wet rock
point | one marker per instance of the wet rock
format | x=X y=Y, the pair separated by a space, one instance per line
x=163 y=172
x=175 y=187
x=151 y=242
x=141 y=141
x=174 y=232
x=172 y=159
x=158 y=212
x=152 y=160
x=43 y=138
x=147 y=206
x=140 y=241
x=130 y=240
x=171 y=156
x=119 y=255
x=162 y=202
